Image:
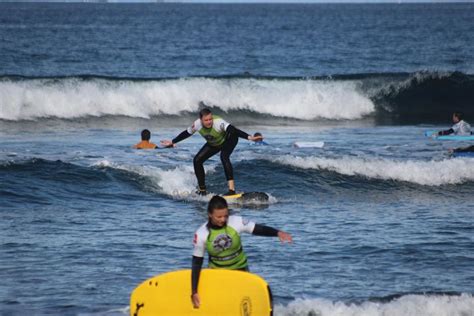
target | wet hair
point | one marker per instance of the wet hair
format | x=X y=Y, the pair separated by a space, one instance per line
x=146 y=134
x=257 y=134
x=204 y=112
x=459 y=115
x=216 y=203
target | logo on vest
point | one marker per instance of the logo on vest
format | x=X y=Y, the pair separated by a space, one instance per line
x=222 y=242
x=209 y=138
x=246 y=307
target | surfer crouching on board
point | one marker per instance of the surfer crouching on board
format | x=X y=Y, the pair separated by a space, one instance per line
x=220 y=137
x=220 y=238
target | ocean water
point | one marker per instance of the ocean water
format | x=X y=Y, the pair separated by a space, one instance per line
x=381 y=216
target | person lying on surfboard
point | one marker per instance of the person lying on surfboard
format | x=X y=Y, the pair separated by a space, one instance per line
x=220 y=137
x=220 y=237
x=468 y=149
x=460 y=126
x=145 y=143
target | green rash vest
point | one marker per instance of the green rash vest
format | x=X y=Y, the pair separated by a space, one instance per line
x=215 y=135
x=225 y=249
x=223 y=245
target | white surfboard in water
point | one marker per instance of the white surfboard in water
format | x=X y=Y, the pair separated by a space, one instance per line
x=309 y=144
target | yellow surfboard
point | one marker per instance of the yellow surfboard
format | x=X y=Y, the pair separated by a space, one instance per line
x=232 y=197
x=249 y=197
x=222 y=292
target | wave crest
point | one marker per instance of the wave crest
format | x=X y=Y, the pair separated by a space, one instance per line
x=407 y=305
x=431 y=173
x=422 y=97
x=425 y=97
x=69 y=98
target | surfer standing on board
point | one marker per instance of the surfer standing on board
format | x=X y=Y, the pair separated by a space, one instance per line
x=220 y=237
x=220 y=136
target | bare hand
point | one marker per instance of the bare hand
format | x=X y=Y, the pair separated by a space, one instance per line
x=256 y=138
x=166 y=143
x=285 y=237
x=196 y=300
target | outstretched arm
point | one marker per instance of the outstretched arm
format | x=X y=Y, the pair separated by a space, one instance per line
x=242 y=134
x=446 y=132
x=170 y=143
x=262 y=230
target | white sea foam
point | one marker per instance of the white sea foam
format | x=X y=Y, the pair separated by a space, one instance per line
x=433 y=173
x=408 y=305
x=74 y=98
x=177 y=182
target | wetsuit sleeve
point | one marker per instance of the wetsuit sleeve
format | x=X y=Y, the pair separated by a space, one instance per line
x=195 y=273
x=262 y=230
x=446 y=132
x=184 y=134
x=234 y=130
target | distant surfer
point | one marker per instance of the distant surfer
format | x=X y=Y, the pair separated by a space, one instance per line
x=220 y=237
x=468 y=149
x=145 y=142
x=220 y=137
x=460 y=126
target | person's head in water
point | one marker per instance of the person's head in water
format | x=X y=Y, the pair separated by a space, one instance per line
x=206 y=117
x=145 y=142
x=457 y=117
x=258 y=135
x=146 y=135
x=218 y=211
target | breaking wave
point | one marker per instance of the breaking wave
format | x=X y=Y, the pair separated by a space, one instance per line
x=430 y=173
x=401 y=98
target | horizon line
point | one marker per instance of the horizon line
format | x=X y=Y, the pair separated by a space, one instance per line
x=245 y=1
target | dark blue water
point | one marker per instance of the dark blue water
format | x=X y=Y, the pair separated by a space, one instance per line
x=382 y=217
x=173 y=40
